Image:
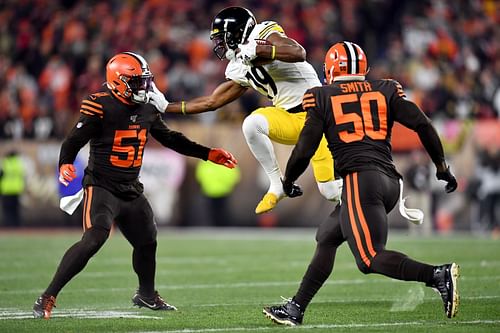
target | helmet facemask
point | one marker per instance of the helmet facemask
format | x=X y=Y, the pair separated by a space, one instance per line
x=139 y=87
x=220 y=47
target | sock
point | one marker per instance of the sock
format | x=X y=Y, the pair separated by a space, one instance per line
x=76 y=258
x=317 y=273
x=256 y=131
x=144 y=263
x=398 y=266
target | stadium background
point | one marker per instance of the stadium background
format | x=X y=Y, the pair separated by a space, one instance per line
x=444 y=53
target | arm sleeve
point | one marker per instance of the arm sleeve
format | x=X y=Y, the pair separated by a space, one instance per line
x=309 y=140
x=410 y=115
x=177 y=141
x=86 y=128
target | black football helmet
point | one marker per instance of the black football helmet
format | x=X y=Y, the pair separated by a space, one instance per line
x=231 y=27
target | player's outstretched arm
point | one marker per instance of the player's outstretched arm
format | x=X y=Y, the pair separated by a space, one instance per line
x=224 y=94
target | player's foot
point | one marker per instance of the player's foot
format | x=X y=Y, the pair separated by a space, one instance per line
x=445 y=282
x=288 y=313
x=268 y=202
x=154 y=302
x=43 y=306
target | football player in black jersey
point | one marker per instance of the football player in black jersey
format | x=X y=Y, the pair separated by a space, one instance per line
x=117 y=123
x=356 y=115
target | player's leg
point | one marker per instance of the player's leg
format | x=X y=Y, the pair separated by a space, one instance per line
x=137 y=225
x=370 y=195
x=259 y=128
x=98 y=213
x=322 y=165
x=328 y=239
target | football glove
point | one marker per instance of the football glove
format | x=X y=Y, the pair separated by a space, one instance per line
x=222 y=157
x=291 y=190
x=157 y=98
x=248 y=52
x=230 y=54
x=449 y=178
x=67 y=173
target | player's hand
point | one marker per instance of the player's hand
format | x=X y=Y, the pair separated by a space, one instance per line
x=67 y=173
x=230 y=54
x=222 y=157
x=157 y=98
x=248 y=51
x=449 y=178
x=291 y=190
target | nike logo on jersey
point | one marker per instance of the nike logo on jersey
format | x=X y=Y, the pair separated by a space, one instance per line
x=79 y=125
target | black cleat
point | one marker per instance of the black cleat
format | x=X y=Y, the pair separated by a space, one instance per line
x=288 y=313
x=43 y=306
x=445 y=283
x=154 y=302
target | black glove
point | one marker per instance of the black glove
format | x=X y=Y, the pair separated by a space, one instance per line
x=449 y=178
x=291 y=190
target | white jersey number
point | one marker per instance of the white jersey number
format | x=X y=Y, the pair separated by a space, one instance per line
x=262 y=80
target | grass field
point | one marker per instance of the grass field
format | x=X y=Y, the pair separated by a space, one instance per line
x=221 y=279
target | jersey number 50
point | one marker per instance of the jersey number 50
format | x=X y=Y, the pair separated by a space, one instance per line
x=364 y=124
x=133 y=159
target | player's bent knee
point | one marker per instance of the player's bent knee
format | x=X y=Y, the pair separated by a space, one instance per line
x=94 y=238
x=255 y=124
x=363 y=267
x=331 y=190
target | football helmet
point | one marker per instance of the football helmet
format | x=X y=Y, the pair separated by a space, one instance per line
x=129 y=78
x=231 y=27
x=344 y=59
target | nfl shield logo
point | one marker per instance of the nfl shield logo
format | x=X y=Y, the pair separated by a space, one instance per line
x=133 y=118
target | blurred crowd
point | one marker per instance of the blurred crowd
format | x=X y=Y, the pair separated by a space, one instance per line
x=53 y=53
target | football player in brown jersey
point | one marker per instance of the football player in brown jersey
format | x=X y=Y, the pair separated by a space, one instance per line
x=117 y=123
x=356 y=116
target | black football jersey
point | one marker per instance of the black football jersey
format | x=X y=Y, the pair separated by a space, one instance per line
x=357 y=118
x=118 y=134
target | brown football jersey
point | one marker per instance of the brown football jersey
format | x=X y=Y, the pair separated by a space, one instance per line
x=118 y=133
x=357 y=118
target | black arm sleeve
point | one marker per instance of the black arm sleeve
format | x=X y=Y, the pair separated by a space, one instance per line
x=86 y=128
x=410 y=115
x=177 y=141
x=308 y=143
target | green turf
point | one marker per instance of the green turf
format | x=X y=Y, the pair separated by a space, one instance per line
x=221 y=280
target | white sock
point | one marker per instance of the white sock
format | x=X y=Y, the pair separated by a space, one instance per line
x=256 y=132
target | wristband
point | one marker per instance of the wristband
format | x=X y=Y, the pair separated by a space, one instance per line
x=273 y=52
x=183 y=107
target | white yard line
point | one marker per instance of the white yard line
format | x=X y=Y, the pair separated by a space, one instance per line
x=332 y=326
x=92 y=314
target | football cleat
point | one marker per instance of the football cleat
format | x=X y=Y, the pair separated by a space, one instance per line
x=288 y=313
x=445 y=283
x=268 y=202
x=43 y=306
x=154 y=302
